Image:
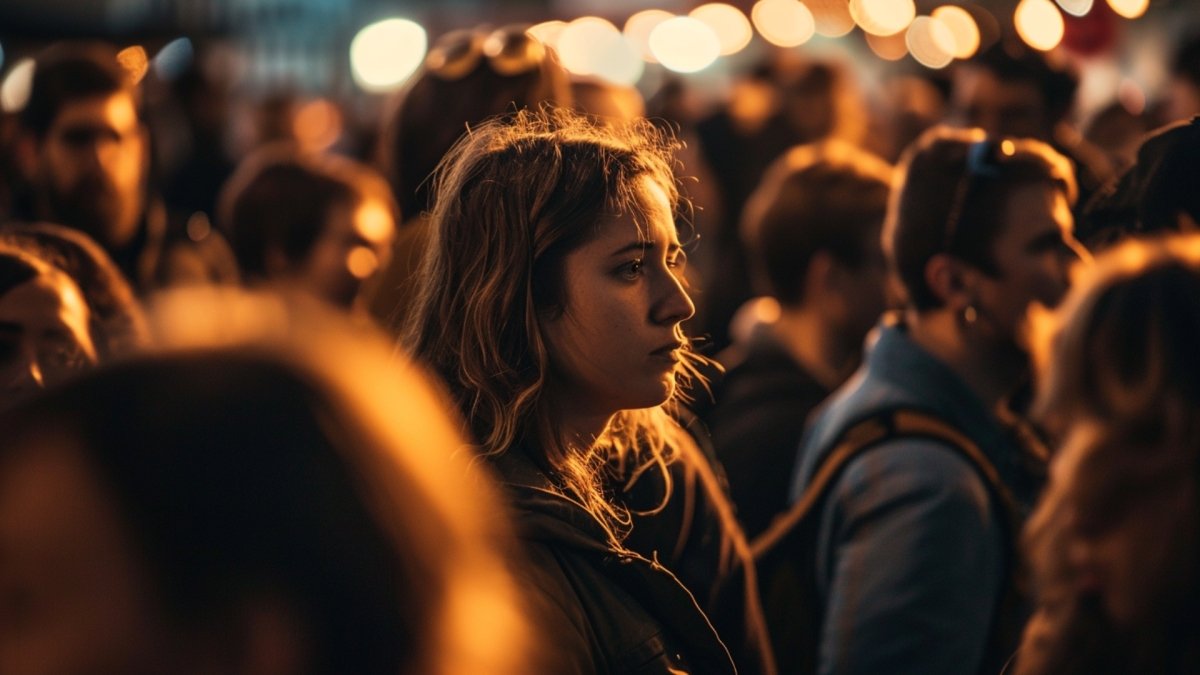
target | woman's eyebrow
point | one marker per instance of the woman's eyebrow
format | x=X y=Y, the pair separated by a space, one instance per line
x=640 y=245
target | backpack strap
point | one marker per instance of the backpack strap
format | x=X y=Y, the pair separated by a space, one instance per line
x=869 y=433
x=793 y=583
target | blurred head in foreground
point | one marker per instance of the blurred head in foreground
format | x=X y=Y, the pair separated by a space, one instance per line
x=243 y=502
x=1113 y=544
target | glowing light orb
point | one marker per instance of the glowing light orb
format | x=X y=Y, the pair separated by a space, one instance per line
x=684 y=44
x=173 y=59
x=1039 y=23
x=385 y=54
x=888 y=47
x=547 y=32
x=883 y=17
x=1130 y=9
x=638 y=28
x=731 y=26
x=14 y=92
x=832 y=17
x=593 y=46
x=930 y=42
x=134 y=61
x=962 y=26
x=784 y=23
x=1076 y=7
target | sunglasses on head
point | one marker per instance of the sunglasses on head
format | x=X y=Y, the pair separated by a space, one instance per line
x=984 y=160
x=509 y=51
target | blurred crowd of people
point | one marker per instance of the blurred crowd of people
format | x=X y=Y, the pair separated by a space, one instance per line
x=542 y=377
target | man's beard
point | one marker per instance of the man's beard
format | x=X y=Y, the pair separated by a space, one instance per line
x=95 y=207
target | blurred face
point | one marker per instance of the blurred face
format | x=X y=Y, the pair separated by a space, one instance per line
x=1033 y=254
x=91 y=166
x=356 y=243
x=1002 y=108
x=44 y=335
x=616 y=345
x=73 y=597
x=1130 y=541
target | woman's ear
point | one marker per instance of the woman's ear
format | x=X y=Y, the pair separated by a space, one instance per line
x=951 y=281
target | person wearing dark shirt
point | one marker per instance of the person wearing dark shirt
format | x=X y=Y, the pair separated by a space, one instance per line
x=84 y=152
x=812 y=230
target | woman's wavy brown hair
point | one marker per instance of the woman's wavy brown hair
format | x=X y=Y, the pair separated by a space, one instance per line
x=513 y=198
x=1120 y=375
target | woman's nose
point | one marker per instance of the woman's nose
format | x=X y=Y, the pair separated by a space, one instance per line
x=675 y=305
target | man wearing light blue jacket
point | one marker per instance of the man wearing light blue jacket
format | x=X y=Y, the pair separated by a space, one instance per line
x=914 y=550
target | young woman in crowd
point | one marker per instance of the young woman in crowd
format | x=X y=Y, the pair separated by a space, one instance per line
x=1113 y=544
x=242 y=502
x=551 y=302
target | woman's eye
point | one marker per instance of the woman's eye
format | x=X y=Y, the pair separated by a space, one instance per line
x=631 y=270
x=678 y=261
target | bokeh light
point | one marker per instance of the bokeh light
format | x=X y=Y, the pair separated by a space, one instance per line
x=134 y=60
x=173 y=59
x=361 y=262
x=883 y=17
x=962 y=26
x=384 y=54
x=578 y=40
x=547 y=32
x=1130 y=9
x=593 y=46
x=317 y=125
x=832 y=17
x=14 y=92
x=684 y=44
x=930 y=42
x=1076 y=7
x=638 y=28
x=783 y=23
x=731 y=26
x=888 y=47
x=1039 y=23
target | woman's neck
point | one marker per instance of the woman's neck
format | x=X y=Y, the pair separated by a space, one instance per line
x=581 y=429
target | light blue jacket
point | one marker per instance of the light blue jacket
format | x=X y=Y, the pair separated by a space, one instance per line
x=911 y=546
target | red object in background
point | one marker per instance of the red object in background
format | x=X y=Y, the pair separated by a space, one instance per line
x=1094 y=33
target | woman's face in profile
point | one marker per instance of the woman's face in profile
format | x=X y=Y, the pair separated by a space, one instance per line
x=616 y=345
x=74 y=598
x=44 y=335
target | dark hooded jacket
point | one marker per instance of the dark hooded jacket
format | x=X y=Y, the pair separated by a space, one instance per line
x=604 y=610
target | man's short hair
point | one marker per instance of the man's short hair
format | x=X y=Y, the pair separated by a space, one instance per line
x=827 y=196
x=72 y=71
x=953 y=196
